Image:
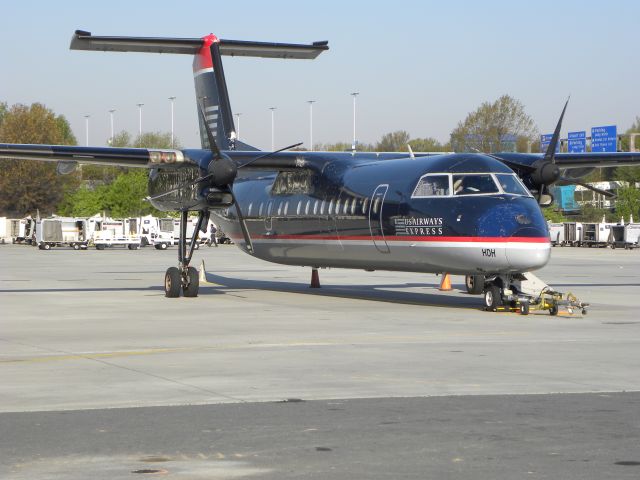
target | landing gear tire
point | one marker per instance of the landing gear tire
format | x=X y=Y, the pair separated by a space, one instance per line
x=76 y=246
x=99 y=246
x=172 y=283
x=193 y=283
x=524 y=308
x=492 y=297
x=474 y=284
x=161 y=246
x=45 y=246
x=553 y=310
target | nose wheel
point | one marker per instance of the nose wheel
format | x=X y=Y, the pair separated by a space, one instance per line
x=185 y=278
x=492 y=297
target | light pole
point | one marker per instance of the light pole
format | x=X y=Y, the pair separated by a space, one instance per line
x=311 y=102
x=140 y=123
x=354 y=95
x=111 y=122
x=86 y=129
x=273 y=143
x=238 y=125
x=172 y=99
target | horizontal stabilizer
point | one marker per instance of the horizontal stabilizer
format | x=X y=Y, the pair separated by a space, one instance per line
x=82 y=40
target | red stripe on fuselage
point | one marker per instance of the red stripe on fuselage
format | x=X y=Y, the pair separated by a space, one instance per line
x=202 y=59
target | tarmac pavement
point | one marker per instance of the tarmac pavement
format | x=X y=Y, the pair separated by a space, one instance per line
x=89 y=342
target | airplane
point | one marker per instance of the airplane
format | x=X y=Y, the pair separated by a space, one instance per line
x=472 y=214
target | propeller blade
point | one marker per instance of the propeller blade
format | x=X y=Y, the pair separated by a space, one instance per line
x=243 y=225
x=571 y=181
x=270 y=153
x=550 y=154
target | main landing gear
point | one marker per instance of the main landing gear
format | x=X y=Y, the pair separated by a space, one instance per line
x=183 y=277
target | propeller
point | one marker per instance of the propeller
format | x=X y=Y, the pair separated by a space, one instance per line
x=546 y=171
x=222 y=173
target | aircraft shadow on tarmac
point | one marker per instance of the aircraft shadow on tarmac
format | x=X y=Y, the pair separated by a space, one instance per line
x=389 y=293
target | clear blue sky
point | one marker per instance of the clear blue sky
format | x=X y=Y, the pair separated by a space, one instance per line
x=420 y=66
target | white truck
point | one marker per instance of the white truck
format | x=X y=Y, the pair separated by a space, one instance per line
x=5 y=229
x=61 y=232
x=111 y=232
x=22 y=230
x=169 y=233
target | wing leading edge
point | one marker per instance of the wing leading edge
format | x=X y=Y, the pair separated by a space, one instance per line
x=106 y=156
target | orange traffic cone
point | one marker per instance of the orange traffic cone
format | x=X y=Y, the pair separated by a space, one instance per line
x=315 y=278
x=445 y=283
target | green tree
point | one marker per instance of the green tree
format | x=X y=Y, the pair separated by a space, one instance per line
x=117 y=191
x=393 y=142
x=629 y=174
x=155 y=140
x=489 y=125
x=3 y=110
x=553 y=215
x=428 y=144
x=341 y=147
x=26 y=186
x=628 y=203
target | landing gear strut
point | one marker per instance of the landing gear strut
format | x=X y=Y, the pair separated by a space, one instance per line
x=184 y=277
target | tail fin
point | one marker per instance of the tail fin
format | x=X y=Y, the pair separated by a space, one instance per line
x=210 y=84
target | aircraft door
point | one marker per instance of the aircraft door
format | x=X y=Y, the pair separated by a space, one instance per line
x=375 y=218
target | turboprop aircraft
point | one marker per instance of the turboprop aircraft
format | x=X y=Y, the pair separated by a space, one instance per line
x=472 y=214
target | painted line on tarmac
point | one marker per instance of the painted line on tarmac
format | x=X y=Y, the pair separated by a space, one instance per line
x=386 y=340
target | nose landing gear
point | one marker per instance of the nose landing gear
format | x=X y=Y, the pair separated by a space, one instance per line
x=185 y=278
x=524 y=292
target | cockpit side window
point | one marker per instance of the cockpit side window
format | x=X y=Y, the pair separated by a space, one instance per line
x=510 y=184
x=474 y=184
x=432 y=186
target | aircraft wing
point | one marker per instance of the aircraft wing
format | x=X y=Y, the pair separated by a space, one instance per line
x=106 y=156
x=598 y=159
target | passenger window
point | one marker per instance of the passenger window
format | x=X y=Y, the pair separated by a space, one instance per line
x=353 y=206
x=365 y=206
x=249 y=209
x=432 y=186
x=286 y=208
x=269 y=208
x=322 y=205
x=338 y=207
x=260 y=209
x=306 y=208
x=299 y=207
x=474 y=184
x=331 y=207
x=316 y=204
x=376 y=204
x=279 y=208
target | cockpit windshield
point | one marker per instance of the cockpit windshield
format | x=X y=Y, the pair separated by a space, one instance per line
x=467 y=184
x=510 y=184
x=474 y=184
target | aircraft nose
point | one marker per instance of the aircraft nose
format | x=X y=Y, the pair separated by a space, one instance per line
x=521 y=224
x=529 y=247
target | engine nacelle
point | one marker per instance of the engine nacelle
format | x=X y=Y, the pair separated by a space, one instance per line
x=545 y=172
